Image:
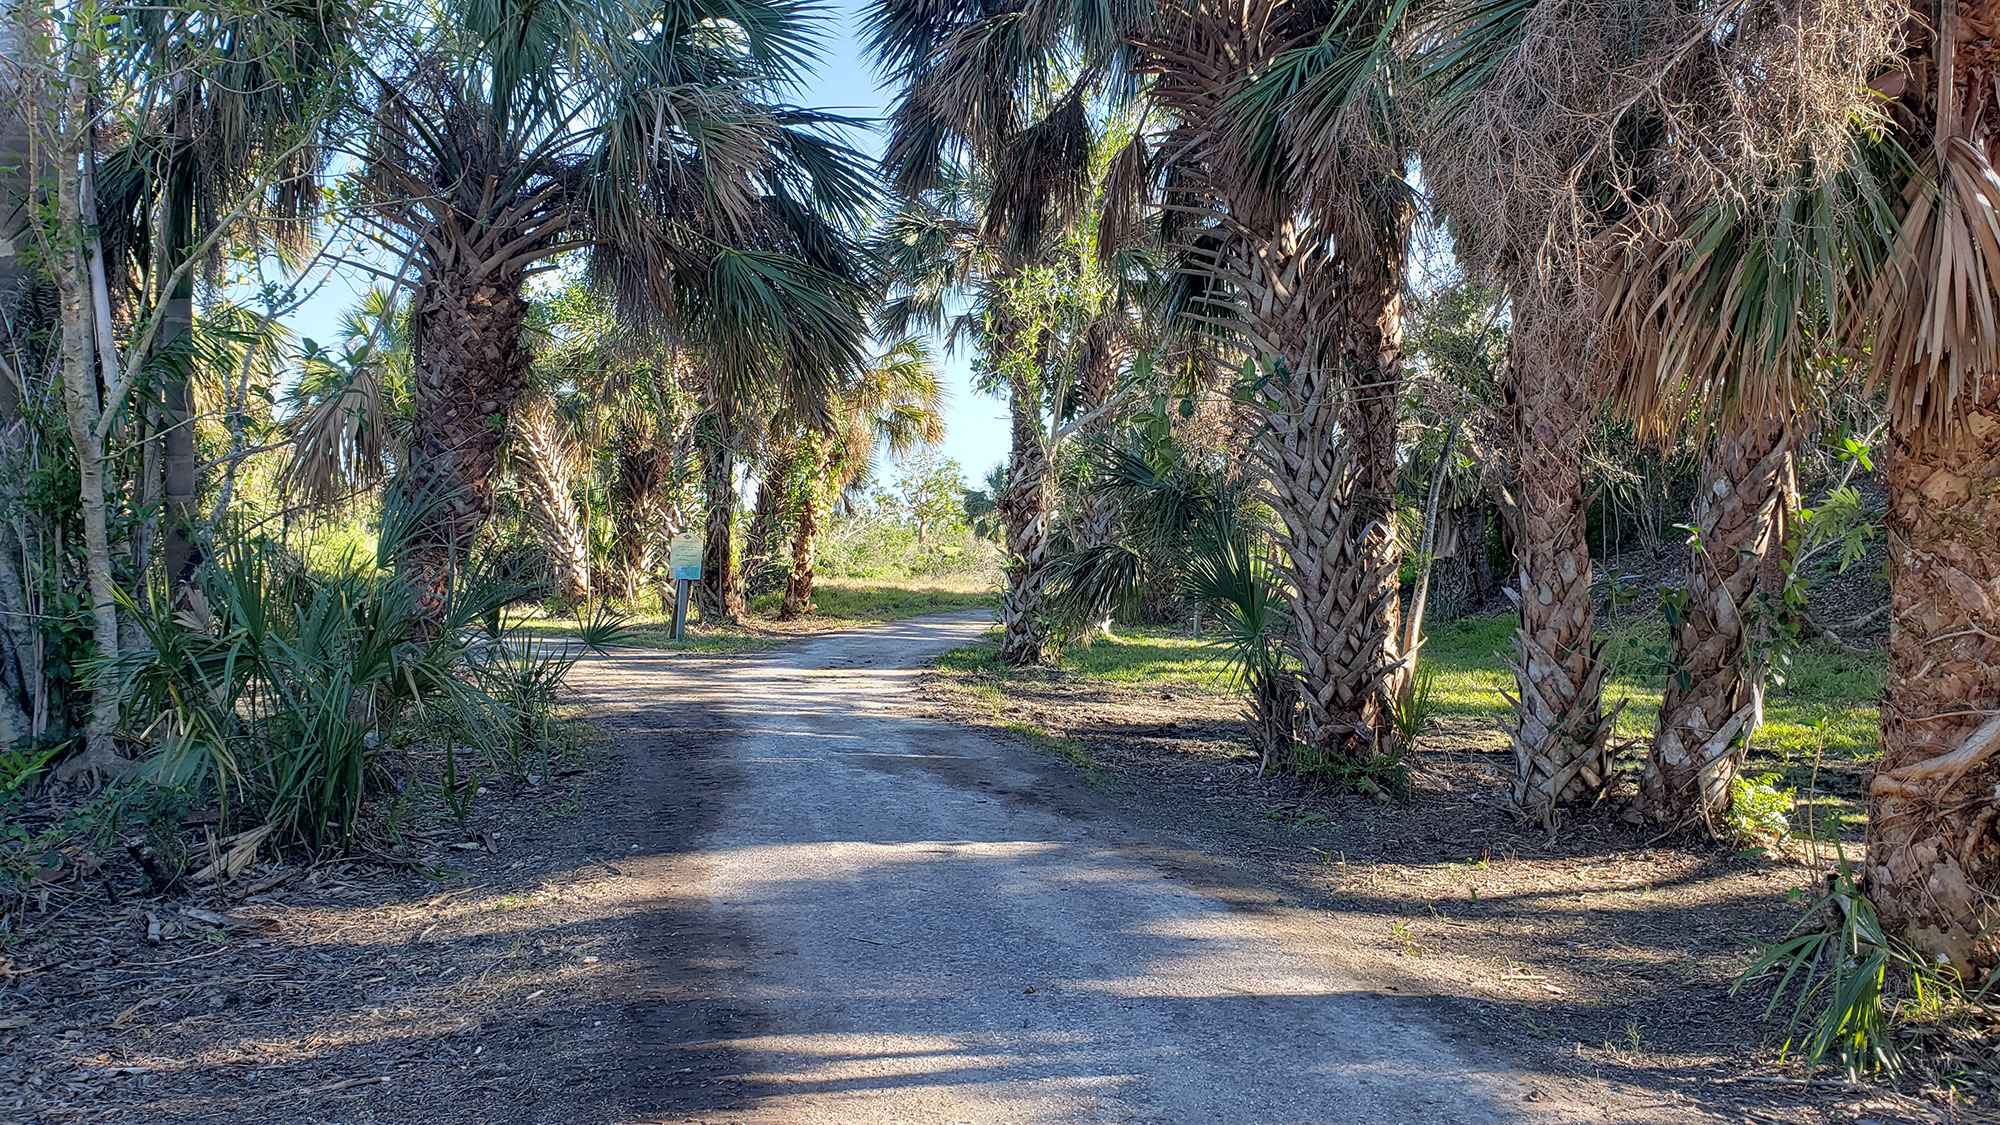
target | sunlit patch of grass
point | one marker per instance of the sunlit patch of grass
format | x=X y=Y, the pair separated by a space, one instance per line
x=1139 y=657
x=1821 y=683
x=861 y=600
x=842 y=602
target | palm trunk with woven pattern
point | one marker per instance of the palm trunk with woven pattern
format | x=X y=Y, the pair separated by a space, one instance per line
x=470 y=368
x=1933 y=817
x=1561 y=734
x=1714 y=696
x=542 y=467
x=1027 y=508
x=720 y=591
x=798 y=599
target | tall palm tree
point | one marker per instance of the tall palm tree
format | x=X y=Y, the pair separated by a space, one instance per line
x=516 y=131
x=1723 y=326
x=994 y=143
x=1283 y=186
x=1933 y=851
x=1567 y=136
x=951 y=240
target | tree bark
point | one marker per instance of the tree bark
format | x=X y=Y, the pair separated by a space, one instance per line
x=773 y=482
x=83 y=360
x=1322 y=433
x=805 y=546
x=179 y=512
x=1561 y=734
x=1934 y=817
x=470 y=368
x=1027 y=508
x=543 y=467
x=722 y=597
x=1714 y=698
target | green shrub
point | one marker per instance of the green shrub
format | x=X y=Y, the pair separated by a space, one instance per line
x=280 y=689
x=1840 y=966
x=1757 y=805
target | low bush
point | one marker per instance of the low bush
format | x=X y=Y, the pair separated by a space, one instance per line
x=287 y=693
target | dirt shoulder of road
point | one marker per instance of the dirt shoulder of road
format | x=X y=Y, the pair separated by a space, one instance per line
x=457 y=978
x=1605 y=951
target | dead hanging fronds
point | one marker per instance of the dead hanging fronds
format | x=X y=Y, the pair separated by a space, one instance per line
x=1937 y=332
x=1563 y=127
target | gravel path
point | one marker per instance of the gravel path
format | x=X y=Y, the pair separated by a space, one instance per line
x=855 y=915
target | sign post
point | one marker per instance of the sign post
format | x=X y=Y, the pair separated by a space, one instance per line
x=684 y=557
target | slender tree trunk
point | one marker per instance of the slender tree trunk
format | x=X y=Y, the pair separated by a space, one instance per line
x=179 y=514
x=721 y=590
x=805 y=545
x=1096 y=510
x=1934 y=820
x=82 y=361
x=1561 y=733
x=177 y=448
x=470 y=368
x=1714 y=697
x=1027 y=507
x=1413 y=634
x=542 y=465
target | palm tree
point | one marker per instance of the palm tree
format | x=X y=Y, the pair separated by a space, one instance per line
x=1283 y=189
x=955 y=239
x=895 y=403
x=994 y=143
x=514 y=132
x=1566 y=137
x=1933 y=854
x=349 y=411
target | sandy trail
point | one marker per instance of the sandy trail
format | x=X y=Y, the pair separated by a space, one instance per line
x=856 y=915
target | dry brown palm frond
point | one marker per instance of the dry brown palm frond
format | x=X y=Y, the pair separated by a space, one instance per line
x=1937 y=335
x=341 y=439
x=1128 y=184
x=1040 y=179
x=1584 y=122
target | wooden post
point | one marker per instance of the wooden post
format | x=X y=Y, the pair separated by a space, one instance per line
x=680 y=608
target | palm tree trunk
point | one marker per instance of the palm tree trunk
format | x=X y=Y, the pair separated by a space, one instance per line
x=541 y=466
x=1933 y=822
x=772 y=484
x=1324 y=442
x=1027 y=508
x=722 y=596
x=470 y=367
x=179 y=514
x=1715 y=696
x=1561 y=734
x=805 y=545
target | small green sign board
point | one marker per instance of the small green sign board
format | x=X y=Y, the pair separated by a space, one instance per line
x=684 y=556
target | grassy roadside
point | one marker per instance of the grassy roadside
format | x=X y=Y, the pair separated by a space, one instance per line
x=843 y=603
x=1822 y=715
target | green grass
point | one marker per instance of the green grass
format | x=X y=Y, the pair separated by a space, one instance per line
x=1825 y=692
x=859 y=601
x=1139 y=656
x=1821 y=684
x=842 y=602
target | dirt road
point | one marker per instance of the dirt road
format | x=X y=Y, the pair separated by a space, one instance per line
x=855 y=915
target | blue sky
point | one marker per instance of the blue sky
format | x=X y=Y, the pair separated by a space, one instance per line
x=976 y=424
